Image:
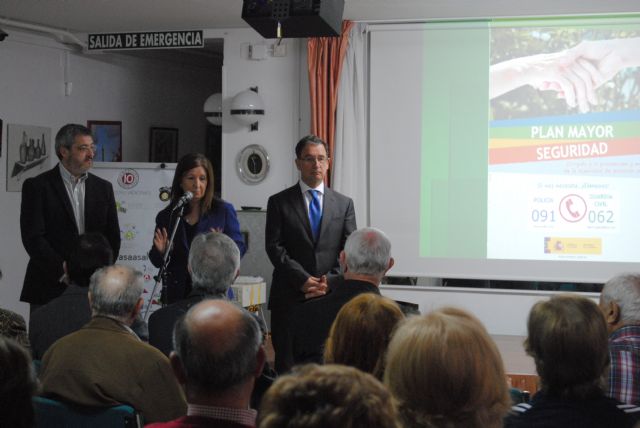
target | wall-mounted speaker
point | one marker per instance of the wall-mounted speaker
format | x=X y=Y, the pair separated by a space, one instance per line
x=298 y=18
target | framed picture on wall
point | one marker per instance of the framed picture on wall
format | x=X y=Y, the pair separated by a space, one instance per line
x=108 y=140
x=163 y=145
x=29 y=149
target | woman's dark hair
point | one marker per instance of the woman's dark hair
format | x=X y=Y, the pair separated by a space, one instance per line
x=185 y=164
x=18 y=385
x=568 y=340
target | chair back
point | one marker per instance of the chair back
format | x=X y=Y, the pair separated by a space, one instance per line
x=519 y=396
x=52 y=413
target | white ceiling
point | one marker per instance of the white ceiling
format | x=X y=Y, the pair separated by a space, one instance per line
x=94 y=16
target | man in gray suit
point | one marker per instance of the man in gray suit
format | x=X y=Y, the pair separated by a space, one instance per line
x=307 y=226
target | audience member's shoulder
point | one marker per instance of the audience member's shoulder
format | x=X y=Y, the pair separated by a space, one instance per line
x=306 y=313
x=555 y=413
x=173 y=311
x=630 y=409
x=152 y=351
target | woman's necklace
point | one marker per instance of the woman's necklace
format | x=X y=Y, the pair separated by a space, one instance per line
x=192 y=217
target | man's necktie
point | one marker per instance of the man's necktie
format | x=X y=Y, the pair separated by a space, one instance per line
x=315 y=213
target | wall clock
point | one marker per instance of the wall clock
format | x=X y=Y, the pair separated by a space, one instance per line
x=253 y=164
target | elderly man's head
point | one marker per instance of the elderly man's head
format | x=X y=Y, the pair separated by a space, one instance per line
x=218 y=348
x=214 y=263
x=620 y=301
x=367 y=252
x=115 y=292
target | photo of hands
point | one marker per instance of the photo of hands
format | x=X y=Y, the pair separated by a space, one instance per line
x=540 y=72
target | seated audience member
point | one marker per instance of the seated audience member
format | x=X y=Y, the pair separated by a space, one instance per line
x=444 y=370
x=567 y=338
x=13 y=326
x=330 y=396
x=70 y=311
x=214 y=263
x=17 y=385
x=366 y=258
x=105 y=363
x=620 y=303
x=218 y=357
x=360 y=335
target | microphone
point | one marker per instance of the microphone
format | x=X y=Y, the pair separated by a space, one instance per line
x=183 y=200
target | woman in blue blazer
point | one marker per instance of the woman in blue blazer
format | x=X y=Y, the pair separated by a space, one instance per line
x=202 y=214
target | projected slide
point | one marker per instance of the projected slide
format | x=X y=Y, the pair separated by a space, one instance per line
x=564 y=143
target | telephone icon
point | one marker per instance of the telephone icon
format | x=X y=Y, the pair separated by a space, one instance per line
x=573 y=208
x=569 y=204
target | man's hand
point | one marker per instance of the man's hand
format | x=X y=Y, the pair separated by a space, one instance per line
x=314 y=287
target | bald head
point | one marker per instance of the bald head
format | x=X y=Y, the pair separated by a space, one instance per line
x=115 y=291
x=368 y=252
x=213 y=325
x=217 y=343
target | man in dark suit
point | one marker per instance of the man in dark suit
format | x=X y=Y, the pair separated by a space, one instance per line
x=365 y=260
x=57 y=207
x=307 y=226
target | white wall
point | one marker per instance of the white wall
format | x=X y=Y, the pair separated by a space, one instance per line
x=139 y=93
x=503 y=312
x=278 y=81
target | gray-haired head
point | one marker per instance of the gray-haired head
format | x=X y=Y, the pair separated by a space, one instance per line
x=115 y=291
x=67 y=135
x=368 y=252
x=214 y=260
x=217 y=344
x=625 y=291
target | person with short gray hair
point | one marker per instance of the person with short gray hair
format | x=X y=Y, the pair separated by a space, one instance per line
x=104 y=363
x=214 y=263
x=115 y=291
x=66 y=136
x=620 y=304
x=368 y=252
x=365 y=260
x=218 y=356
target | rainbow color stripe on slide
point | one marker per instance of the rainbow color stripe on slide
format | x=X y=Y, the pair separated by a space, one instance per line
x=560 y=138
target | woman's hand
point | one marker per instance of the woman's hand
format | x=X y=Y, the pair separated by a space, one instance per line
x=160 y=239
